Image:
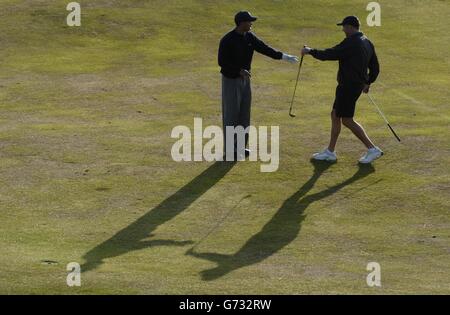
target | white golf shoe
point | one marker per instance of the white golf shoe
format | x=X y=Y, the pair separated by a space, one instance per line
x=371 y=155
x=325 y=155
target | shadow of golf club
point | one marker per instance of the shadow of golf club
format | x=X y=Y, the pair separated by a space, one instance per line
x=136 y=235
x=280 y=231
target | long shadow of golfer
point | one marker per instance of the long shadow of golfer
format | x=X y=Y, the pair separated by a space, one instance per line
x=135 y=236
x=281 y=230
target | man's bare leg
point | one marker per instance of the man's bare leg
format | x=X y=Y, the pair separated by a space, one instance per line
x=358 y=131
x=335 y=130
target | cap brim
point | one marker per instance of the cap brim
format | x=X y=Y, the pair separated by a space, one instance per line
x=248 y=19
x=340 y=24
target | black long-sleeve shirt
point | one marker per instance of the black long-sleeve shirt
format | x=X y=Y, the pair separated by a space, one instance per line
x=236 y=52
x=356 y=55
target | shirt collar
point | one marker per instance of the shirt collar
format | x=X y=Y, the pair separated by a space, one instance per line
x=237 y=33
x=357 y=34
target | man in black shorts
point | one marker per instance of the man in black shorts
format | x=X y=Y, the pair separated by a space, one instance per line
x=358 y=68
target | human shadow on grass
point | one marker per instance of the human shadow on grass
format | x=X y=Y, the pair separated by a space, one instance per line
x=136 y=235
x=281 y=230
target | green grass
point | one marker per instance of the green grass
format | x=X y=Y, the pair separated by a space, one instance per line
x=86 y=173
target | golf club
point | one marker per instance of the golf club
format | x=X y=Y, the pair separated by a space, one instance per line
x=295 y=89
x=384 y=117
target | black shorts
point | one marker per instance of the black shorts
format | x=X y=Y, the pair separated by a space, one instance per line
x=345 y=102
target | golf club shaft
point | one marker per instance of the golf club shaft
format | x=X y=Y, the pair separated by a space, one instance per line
x=384 y=117
x=296 y=83
x=220 y=222
x=394 y=133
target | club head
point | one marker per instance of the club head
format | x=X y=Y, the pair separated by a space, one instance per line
x=292 y=115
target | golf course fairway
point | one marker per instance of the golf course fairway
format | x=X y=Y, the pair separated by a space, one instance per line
x=86 y=173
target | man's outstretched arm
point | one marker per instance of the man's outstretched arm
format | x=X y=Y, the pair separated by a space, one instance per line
x=338 y=52
x=268 y=51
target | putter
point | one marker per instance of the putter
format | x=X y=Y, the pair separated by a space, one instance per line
x=295 y=89
x=384 y=117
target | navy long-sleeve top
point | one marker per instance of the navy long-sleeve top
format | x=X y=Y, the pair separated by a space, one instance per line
x=236 y=52
x=358 y=61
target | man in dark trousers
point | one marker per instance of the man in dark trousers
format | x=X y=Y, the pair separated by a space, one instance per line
x=235 y=58
x=358 y=69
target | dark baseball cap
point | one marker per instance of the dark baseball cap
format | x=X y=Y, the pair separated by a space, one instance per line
x=244 y=16
x=350 y=20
